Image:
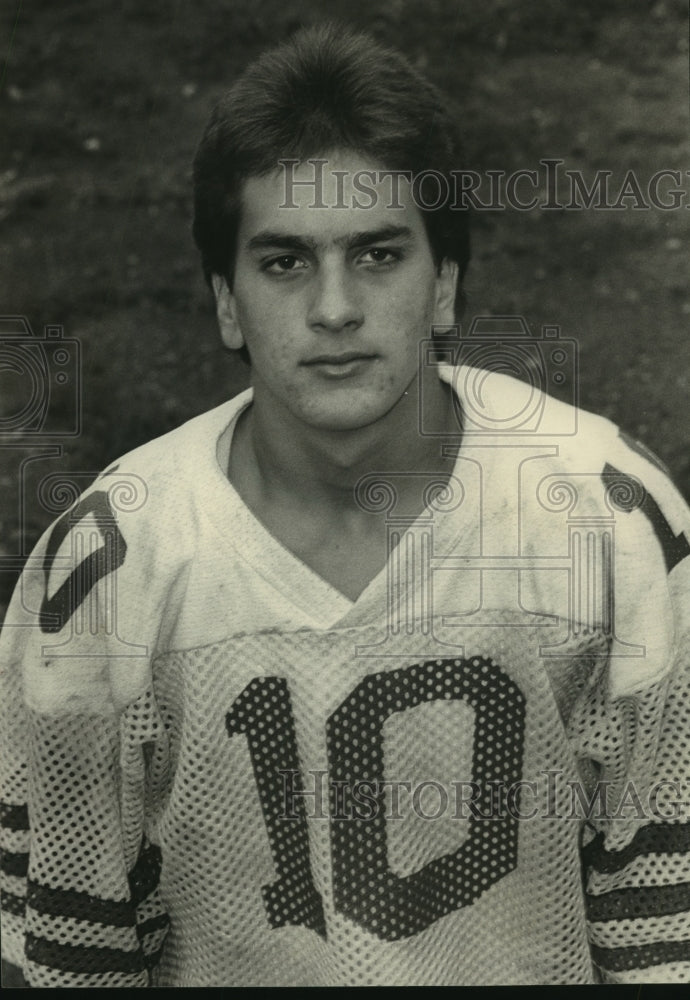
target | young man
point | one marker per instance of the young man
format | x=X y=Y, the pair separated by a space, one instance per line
x=376 y=673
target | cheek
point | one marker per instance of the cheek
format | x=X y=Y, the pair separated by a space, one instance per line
x=270 y=311
x=415 y=300
x=263 y=326
x=412 y=322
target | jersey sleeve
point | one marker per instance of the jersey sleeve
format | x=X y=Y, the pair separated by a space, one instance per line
x=78 y=752
x=631 y=731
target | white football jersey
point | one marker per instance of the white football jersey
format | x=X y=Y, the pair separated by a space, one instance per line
x=218 y=770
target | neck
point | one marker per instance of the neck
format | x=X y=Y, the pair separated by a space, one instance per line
x=315 y=465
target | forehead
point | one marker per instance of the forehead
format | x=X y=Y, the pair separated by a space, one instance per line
x=327 y=196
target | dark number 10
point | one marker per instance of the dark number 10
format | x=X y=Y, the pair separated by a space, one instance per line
x=364 y=888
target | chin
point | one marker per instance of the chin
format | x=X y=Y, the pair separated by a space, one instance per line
x=350 y=412
x=344 y=420
x=342 y=425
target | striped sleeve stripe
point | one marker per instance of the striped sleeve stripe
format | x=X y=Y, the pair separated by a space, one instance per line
x=80 y=905
x=81 y=958
x=13 y=884
x=14 y=817
x=16 y=905
x=640 y=901
x=642 y=956
x=16 y=841
x=614 y=933
x=666 y=972
x=72 y=930
x=14 y=863
x=649 y=869
x=661 y=838
x=40 y=976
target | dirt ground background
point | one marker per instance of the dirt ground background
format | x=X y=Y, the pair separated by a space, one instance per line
x=102 y=107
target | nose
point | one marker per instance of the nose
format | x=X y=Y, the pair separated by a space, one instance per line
x=335 y=303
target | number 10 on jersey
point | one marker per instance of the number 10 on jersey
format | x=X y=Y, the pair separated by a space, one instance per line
x=365 y=889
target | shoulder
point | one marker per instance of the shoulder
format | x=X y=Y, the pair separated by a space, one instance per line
x=502 y=409
x=190 y=446
x=507 y=413
x=87 y=612
x=563 y=480
x=159 y=480
x=144 y=510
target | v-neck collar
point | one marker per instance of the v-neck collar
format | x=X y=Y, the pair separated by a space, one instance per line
x=320 y=603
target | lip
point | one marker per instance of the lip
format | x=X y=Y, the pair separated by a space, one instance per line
x=339 y=359
x=335 y=367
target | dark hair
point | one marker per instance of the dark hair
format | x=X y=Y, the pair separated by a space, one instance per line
x=326 y=89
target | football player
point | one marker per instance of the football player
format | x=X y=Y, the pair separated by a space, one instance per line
x=377 y=673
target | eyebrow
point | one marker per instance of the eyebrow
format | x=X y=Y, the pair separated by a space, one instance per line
x=288 y=241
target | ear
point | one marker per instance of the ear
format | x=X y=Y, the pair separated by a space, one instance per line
x=446 y=285
x=226 y=311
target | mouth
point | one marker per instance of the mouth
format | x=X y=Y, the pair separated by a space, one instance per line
x=339 y=359
x=340 y=365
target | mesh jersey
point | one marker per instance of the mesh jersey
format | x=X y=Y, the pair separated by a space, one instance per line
x=218 y=770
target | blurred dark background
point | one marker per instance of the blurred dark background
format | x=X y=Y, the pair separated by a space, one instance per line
x=102 y=106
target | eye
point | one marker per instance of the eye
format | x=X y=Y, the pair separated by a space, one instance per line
x=285 y=264
x=379 y=256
